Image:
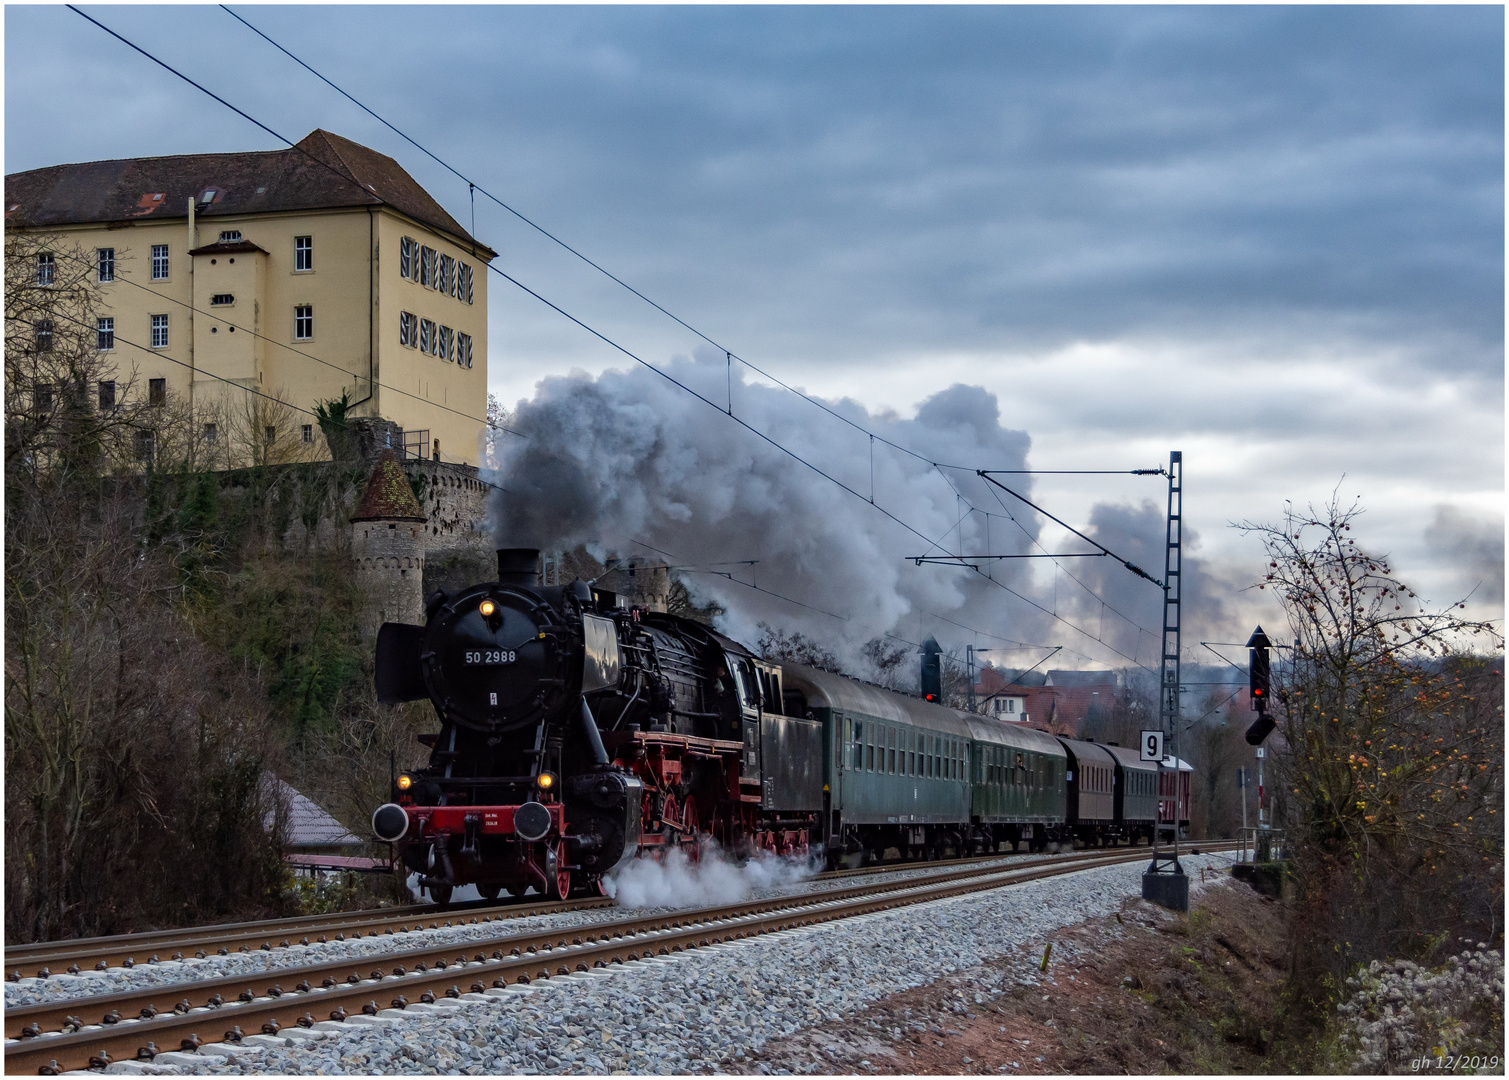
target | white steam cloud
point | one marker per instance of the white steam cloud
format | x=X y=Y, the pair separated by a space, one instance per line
x=627 y=457
x=678 y=882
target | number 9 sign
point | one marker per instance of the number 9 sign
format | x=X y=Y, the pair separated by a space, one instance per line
x=1152 y=746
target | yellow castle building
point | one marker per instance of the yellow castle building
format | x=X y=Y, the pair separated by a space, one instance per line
x=300 y=273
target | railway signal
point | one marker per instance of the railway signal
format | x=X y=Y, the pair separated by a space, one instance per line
x=932 y=670
x=1259 y=680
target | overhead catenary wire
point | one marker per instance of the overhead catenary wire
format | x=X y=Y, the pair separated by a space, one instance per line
x=512 y=280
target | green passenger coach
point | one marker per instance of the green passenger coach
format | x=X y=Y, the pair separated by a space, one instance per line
x=900 y=772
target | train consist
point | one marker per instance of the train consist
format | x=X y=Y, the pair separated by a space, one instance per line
x=576 y=734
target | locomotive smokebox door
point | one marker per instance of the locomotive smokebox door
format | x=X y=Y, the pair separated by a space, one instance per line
x=600 y=660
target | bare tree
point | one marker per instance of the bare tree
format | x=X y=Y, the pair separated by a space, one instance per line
x=1394 y=764
x=68 y=404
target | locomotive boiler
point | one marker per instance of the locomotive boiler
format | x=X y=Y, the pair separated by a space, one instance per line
x=576 y=733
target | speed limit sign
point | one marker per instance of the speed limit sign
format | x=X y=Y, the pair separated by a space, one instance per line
x=1152 y=746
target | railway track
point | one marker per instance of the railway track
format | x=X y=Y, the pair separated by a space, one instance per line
x=44 y=959
x=79 y=1032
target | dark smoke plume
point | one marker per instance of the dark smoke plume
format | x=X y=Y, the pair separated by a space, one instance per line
x=627 y=459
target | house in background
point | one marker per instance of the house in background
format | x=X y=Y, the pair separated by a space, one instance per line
x=297 y=273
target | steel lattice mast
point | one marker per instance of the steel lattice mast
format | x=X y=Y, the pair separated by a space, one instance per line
x=1173 y=577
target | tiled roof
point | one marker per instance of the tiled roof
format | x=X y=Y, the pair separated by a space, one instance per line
x=388 y=496
x=324 y=171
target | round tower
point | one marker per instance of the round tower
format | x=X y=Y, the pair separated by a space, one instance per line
x=387 y=544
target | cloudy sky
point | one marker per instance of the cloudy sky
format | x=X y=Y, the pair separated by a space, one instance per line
x=1271 y=238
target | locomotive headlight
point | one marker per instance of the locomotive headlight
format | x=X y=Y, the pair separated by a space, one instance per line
x=545 y=780
x=487 y=607
x=405 y=782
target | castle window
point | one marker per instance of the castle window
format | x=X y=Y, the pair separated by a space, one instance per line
x=426 y=335
x=426 y=266
x=408 y=329
x=47 y=268
x=230 y=236
x=303 y=322
x=463 y=282
x=157 y=391
x=444 y=274
x=303 y=253
x=107 y=393
x=145 y=445
x=222 y=299
x=463 y=349
x=408 y=252
x=105 y=263
x=269 y=434
x=41 y=396
x=159 y=262
x=44 y=335
x=308 y=433
x=159 y=331
x=211 y=433
x=445 y=338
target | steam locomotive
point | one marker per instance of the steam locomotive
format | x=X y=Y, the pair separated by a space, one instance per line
x=577 y=733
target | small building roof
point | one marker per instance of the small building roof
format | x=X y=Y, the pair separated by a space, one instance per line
x=323 y=171
x=228 y=247
x=306 y=825
x=388 y=496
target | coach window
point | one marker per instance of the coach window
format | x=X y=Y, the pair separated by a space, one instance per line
x=870 y=749
x=891 y=750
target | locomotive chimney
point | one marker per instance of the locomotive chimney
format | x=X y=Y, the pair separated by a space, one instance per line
x=519 y=566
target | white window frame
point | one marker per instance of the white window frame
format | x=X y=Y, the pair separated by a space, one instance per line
x=426 y=266
x=303 y=254
x=104 y=329
x=408 y=329
x=104 y=264
x=463 y=279
x=160 y=264
x=408 y=249
x=426 y=336
x=306 y=432
x=211 y=433
x=303 y=313
x=463 y=349
x=230 y=236
x=159 y=331
x=445 y=275
x=47 y=268
x=447 y=344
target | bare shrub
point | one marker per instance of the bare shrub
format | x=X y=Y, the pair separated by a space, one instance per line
x=132 y=753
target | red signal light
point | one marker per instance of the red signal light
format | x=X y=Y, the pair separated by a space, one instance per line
x=932 y=697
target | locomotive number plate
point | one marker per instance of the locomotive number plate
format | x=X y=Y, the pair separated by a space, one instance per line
x=489 y=656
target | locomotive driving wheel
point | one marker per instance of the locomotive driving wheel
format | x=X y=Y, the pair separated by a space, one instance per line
x=557 y=875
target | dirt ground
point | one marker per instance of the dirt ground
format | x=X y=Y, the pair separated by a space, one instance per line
x=1142 y=991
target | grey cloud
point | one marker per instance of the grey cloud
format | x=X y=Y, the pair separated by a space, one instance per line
x=893 y=177
x=1474 y=547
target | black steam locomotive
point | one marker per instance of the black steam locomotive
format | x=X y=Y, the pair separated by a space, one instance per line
x=576 y=733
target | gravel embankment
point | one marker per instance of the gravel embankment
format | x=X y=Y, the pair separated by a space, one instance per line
x=707 y=889
x=705 y=1010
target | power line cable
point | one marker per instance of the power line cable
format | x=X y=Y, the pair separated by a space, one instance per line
x=620 y=348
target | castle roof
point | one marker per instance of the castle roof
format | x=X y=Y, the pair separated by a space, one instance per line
x=388 y=496
x=324 y=171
